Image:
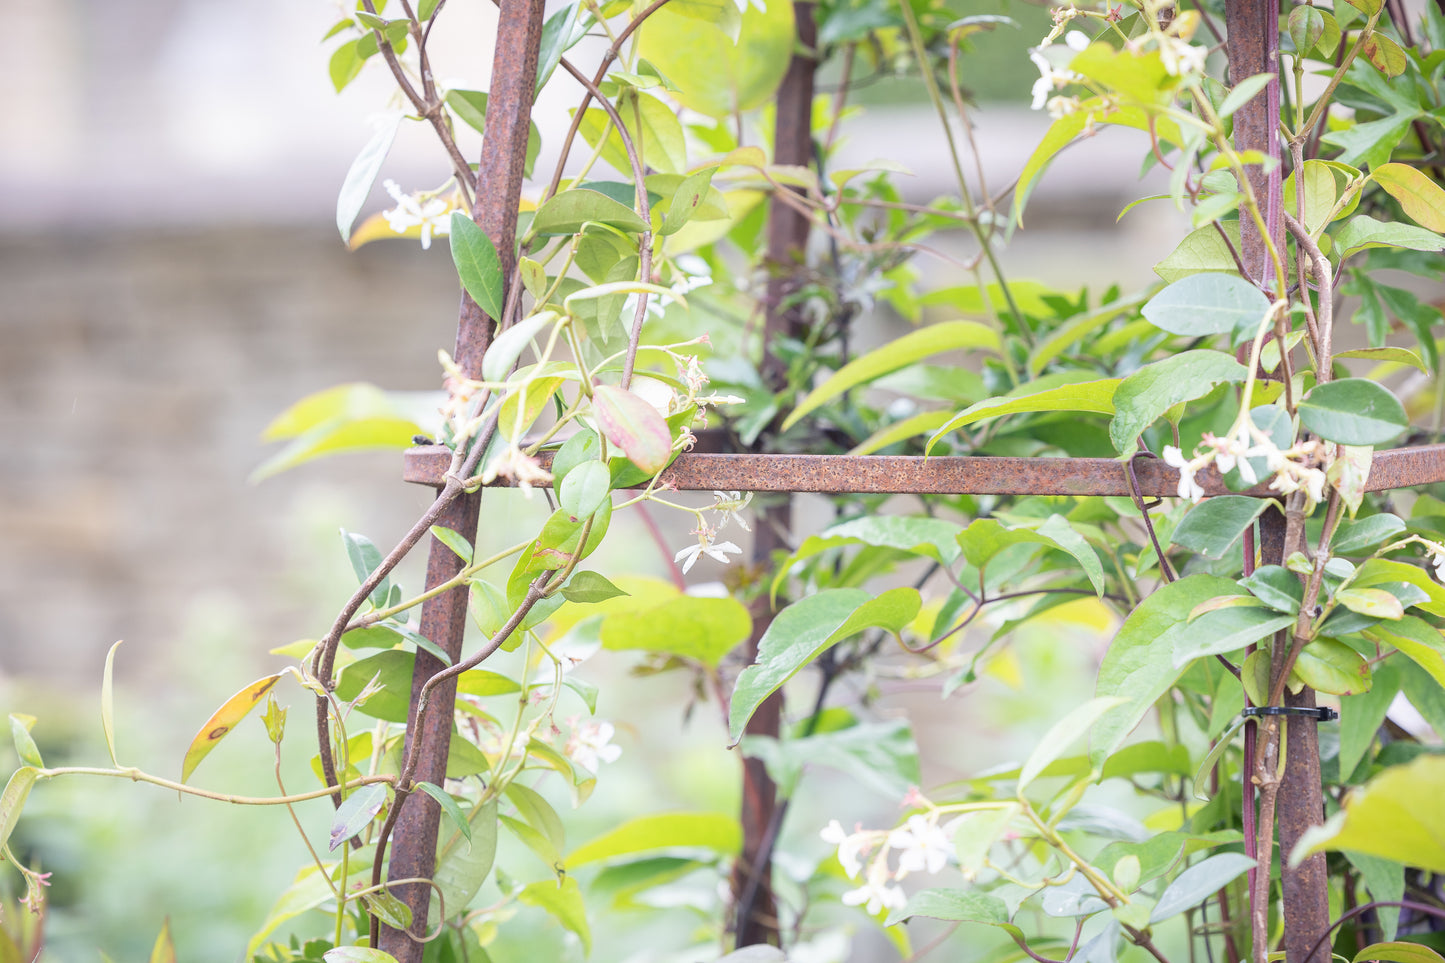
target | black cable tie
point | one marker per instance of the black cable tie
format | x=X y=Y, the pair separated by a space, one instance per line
x=1322 y=714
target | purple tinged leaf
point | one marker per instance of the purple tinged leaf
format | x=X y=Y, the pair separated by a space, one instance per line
x=356 y=812
x=634 y=426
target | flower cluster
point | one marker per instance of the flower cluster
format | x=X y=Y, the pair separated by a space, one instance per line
x=432 y=213
x=514 y=464
x=922 y=846
x=591 y=744
x=1052 y=78
x=1298 y=468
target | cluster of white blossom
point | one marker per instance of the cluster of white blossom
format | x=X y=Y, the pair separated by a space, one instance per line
x=729 y=507
x=1298 y=468
x=431 y=212
x=923 y=846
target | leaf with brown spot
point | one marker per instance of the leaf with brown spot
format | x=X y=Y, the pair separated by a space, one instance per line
x=1385 y=54
x=223 y=720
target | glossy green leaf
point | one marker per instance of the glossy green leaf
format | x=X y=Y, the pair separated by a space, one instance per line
x=935 y=538
x=1399 y=952
x=1329 y=665
x=1144 y=396
x=362 y=174
x=634 y=426
x=1420 y=641
x=463 y=863
x=562 y=899
x=1381 y=571
x=1353 y=537
x=508 y=346
x=1096 y=396
x=1063 y=734
x=1205 y=304
x=1362 y=231
x=12 y=800
x=1140 y=662
x=449 y=807
x=223 y=720
x=479 y=268
x=567 y=212
x=1276 y=587
x=804 y=630
x=107 y=702
x=1373 y=602
x=1247 y=89
x=587 y=587
x=581 y=493
x=702 y=629
x=1396 y=815
x=1353 y=411
x=1198 y=883
x=712 y=831
x=560 y=33
x=882 y=756
x=686 y=200
x=1362 y=715
x=1420 y=197
x=909 y=349
x=356 y=812
x=454 y=541
x=1214 y=526
x=1227 y=629
x=957 y=905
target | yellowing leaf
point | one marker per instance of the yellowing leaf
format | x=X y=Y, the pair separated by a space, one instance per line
x=634 y=426
x=1420 y=197
x=223 y=720
x=1396 y=815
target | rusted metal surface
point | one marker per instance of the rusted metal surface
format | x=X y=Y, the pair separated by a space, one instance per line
x=1301 y=806
x=443 y=618
x=1253 y=30
x=962 y=475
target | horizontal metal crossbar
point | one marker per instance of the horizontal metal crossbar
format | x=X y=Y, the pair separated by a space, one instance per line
x=954 y=475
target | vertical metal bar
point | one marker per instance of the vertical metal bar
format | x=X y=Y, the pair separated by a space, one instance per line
x=443 y=619
x=756 y=916
x=1253 y=27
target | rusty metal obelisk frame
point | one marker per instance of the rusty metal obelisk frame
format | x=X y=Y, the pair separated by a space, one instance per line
x=1253 y=49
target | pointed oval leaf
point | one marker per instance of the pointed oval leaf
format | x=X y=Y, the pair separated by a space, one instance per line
x=686 y=199
x=1372 y=602
x=478 y=266
x=714 y=831
x=12 y=800
x=584 y=587
x=449 y=806
x=1420 y=641
x=1353 y=537
x=1198 y=883
x=1420 y=197
x=1387 y=56
x=454 y=541
x=1329 y=665
x=1214 y=525
x=1227 y=629
x=634 y=426
x=1353 y=411
x=1276 y=587
x=562 y=899
x=1144 y=396
x=567 y=212
x=356 y=812
x=804 y=630
x=907 y=350
x=1205 y=304
x=362 y=174
x=107 y=702
x=1362 y=231
x=25 y=746
x=1063 y=734
x=582 y=491
x=223 y=720
x=957 y=905
x=503 y=353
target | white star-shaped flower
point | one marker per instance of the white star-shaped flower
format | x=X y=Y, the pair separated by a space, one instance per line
x=921 y=845
x=434 y=214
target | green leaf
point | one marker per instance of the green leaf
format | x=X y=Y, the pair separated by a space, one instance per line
x=1201 y=250
x=1205 y=304
x=1396 y=815
x=1353 y=537
x=907 y=350
x=357 y=954
x=1420 y=641
x=362 y=174
x=713 y=831
x=957 y=905
x=1353 y=411
x=1140 y=664
x=882 y=756
x=1362 y=715
x=1390 y=355
x=454 y=541
x=107 y=703
x=1399 y=952
x=936 y=538
x=562 y=899
x=1371 y=602
x=350 y=417
x=1198 y=883
x=503 y=353
x=1306 y=26
x=1380 y=50
x=702 y=629
x=807 y=628
x=652 y=126
x=1420 y=197
x=559 y=34
x=1276 y=587
x=365 y=557
x=721 y=62
x=1094 y=396
x=463 y=862
x=12 y=800
x=223 y=720
x=1214 y=525
x=356 y=812
x=923 y=423
x=569 y=211
x=346 y=62
x=1224 y=630
x=634 y=426
x=1381 y=571
x=1062 y=734
x=585 y=587
x=1329 y=665
x=1247 y=89
x=393 y=670
x=1362 y=231
x=478 y=266
x=686 y=199
x=25 y=746
x=471 y=107
x=582 y=491
x=1152 y=390
x=449 y=806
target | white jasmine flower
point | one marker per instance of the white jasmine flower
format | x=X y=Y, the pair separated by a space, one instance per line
x=848 y=846
x=1437 y=558
x=591 y=744
x=1061 y=106
x=516 y=465
x=434 y=214
x=730 y=506
x=877 y=893
x=922 y=846
x=1181 y=57
x=1076 y=40
x=689 y=370
x=1188 y=487
x=705 y=546
x=1050 y=79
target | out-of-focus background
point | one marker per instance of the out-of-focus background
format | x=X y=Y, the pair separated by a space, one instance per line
x=170 y=279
